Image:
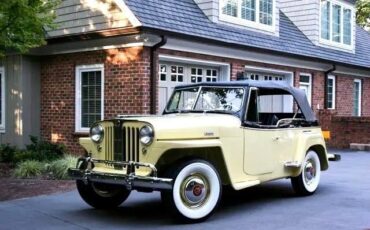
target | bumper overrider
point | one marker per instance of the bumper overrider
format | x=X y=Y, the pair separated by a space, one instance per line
x=130 y=180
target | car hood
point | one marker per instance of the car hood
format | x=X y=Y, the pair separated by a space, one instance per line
x=188 y=126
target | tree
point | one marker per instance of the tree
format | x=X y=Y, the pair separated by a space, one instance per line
x=363 y=13
x=23 y=23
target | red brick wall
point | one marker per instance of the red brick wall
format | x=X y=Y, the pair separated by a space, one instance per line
x=346 y=130
x=366 y=97
x=318 y=90
x=127 y=77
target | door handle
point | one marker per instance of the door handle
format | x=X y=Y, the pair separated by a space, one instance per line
x=276 y=138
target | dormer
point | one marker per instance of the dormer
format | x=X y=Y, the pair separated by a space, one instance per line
x=327 y=23
x=257 y=15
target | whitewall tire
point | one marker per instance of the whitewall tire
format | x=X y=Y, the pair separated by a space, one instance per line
x=196 y=192
x=308 y=181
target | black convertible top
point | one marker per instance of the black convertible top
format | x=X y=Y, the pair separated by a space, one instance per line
x=298 y=94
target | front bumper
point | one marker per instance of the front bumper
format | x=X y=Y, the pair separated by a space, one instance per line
x=84 y=171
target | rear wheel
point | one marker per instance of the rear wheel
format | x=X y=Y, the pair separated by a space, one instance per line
x=102 y=196
x=307 y=182
x=196 y=192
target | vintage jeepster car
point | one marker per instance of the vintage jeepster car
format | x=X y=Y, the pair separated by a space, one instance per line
x=239 y=134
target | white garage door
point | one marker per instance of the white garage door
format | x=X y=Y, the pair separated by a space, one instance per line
x=281 y=103
x=173 y=74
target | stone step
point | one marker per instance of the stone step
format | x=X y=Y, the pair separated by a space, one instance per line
x=359 y=147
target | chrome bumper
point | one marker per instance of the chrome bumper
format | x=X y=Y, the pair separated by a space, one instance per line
x=130 y=180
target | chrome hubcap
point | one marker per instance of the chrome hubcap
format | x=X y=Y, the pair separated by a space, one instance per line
x=309 y=172
x=194 y=191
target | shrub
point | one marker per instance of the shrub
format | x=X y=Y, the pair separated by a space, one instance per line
x=59 y=168
x=7 y=153
x=44 y=150
x=38 y=150
x=29 y=169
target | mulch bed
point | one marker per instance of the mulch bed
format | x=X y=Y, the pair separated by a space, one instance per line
x=12 y=188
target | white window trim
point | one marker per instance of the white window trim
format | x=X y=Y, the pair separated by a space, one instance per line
x=359 y=98
x=3 y=99
x=309 y=84
x=79 y=70
x=332 y=77
x=243 y=22
x=289 y=75
x=333 y=43
x=225 y=69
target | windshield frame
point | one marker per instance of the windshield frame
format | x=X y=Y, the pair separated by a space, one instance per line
x=192 y=110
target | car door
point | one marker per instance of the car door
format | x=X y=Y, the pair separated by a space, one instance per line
x=266 y=147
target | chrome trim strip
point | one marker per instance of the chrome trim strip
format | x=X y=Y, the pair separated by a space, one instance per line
x=130 y=180
x=292 y=164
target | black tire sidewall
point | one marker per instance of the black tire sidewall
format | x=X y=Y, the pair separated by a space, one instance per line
x=92 y=198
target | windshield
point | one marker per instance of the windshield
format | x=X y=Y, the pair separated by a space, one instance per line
x=206 y=99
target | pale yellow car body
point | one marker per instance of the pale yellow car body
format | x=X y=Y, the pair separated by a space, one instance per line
x=243 y=156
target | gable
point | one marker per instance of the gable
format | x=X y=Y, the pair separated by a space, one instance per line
x=83 y=16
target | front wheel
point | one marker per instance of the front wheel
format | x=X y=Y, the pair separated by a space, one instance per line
x=307 y=182
x=196 y=192
x=102 y=196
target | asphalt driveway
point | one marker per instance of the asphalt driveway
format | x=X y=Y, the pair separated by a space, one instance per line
x=341 y=202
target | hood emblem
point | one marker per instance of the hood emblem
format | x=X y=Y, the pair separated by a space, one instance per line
x=209 y=134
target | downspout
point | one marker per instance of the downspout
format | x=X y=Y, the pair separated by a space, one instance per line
x=332 y=69
x=153 y=74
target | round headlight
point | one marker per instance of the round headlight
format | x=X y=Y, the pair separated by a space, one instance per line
x=96 y=133
x=146 y=135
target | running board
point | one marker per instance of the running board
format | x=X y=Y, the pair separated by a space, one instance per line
x=246 y=184
x=292 y=164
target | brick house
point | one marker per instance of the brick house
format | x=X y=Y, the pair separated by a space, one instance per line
x=110 y=57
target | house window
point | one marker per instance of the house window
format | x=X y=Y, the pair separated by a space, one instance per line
x=330 y=92
x=357 y=97
x=254 y=13
x=336 y=23
x=305 y=83
x=163 y=72
x=196 y=75
x=177 y=73
x=248 y=9
x=265 y=12
x=230 y=8
x=89 y=96
x=211 y=75
x=2 y=100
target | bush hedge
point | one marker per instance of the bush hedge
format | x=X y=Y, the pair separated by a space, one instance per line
x=38 y=150
x=58 y=168
x=29 y=169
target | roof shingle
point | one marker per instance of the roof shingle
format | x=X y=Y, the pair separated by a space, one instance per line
x=185 y=17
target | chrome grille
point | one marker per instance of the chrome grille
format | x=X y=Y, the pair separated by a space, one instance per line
x=108 y=145
x=131 y=146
